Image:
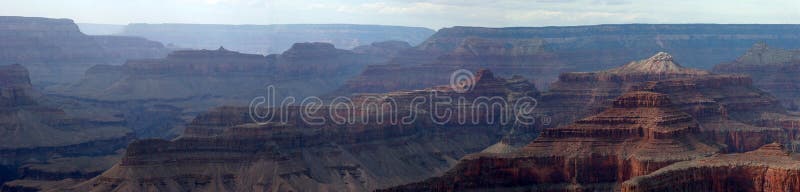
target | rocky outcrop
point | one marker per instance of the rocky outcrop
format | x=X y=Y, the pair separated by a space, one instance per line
x=769 y=168
x=268 y=39
x=640 y=133
x=731 y=110
x=223 y=150
x=33 y=131
x=579 y=94
x=56 y=51
x=772 y=69
x=541 y=53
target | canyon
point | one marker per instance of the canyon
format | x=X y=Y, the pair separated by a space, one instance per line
x=542 y=53
x=772 y=70
x=33 y=131
x=271 y=39
x=55 y=51
x=225 y=150
x=661 y=114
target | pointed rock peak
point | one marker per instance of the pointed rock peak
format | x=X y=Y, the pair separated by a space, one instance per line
x=661 y=63
x=772 y=149
x=661 y=56
x=222 y=49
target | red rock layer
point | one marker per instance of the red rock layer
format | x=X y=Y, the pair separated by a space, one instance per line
x=641 y=133
x=731 y=110
x=769 y=168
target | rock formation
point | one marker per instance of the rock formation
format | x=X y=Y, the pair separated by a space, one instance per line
x=194 y=81
x=56 y=51
x=579 y=94
x=269 y=39
x=640 y=133
x=772 y=69
x=33 y=131
x=730 y=109
x=223 y=150
x=770 y=168
x=541 y=53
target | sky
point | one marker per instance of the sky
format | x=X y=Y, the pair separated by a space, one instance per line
x=434 y=14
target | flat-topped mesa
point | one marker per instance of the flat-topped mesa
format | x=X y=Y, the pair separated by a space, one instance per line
x=313 y=50
x=770 y=168
x=198 y=61
x=637 y=114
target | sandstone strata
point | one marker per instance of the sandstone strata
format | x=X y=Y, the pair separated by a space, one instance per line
x=770 y=168
x=640 y=133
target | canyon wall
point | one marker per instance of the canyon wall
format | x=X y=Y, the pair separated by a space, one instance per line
x=55 y=50
x=541 y=53
x=269 y=39
x=772 y=69
x=224 y=150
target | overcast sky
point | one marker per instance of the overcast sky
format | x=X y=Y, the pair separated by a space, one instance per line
x=433 y=14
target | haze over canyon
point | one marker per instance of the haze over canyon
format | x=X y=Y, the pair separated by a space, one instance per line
x=291 y=106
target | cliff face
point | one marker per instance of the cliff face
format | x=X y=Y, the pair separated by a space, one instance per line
x=32 y=131
x=772 y=69
x=579 y=94
x=552 y=50
x=769 y=168
x=732 y=111
x=212 y=77
x=268 y=39
x=528 y=58
x=223 y=150
x=55 y=50
x=640 y=133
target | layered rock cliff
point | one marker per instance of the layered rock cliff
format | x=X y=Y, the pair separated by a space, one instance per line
x=770 y=168
x=269 y=39
x=212 y=77
x=731 y=110
x=56 y=51
x=224 y=150
x=541 y=53
x=772 y=69
x=33 y=131
x=640 y=133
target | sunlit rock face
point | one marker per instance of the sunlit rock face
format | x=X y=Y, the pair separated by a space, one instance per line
x=640 y=133
x=542 y=53
x=770 y=168
x=271 y=39
x=225 y=150
x=661 y=113
x=772 y=69
x=56 y=51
